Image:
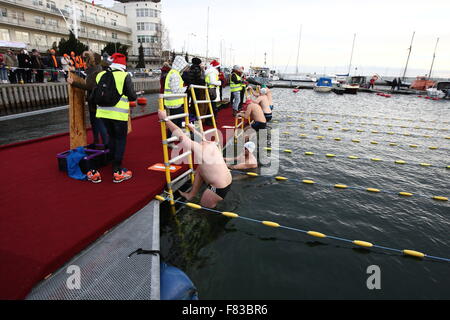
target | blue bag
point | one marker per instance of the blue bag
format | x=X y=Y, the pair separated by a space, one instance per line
x=73 y=163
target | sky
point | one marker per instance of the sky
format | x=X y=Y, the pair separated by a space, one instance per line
x=241 y=32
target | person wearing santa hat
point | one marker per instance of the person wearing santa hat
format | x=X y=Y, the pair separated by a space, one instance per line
x=115 y=118
x=213 y=82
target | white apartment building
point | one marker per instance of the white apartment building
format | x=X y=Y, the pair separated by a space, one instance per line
x=40 y=23
x=144 y=18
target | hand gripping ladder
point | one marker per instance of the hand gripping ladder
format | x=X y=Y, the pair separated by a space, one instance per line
x=201 y=117
x=167 y=161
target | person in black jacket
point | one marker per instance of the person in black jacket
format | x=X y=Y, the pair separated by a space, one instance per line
x=196 y=76
x=24 y=71
x=37 y=65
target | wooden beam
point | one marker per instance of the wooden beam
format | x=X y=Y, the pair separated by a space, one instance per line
x=76 y=114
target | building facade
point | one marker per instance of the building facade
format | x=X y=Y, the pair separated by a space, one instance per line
x=42 y=23
x=144 y=18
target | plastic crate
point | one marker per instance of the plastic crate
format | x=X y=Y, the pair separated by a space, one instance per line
x=95 y=159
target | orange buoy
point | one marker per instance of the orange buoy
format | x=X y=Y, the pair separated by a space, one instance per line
x=132 y=104
x=427 y=97
x=296 y=90
x=142 y=101
x=419 y=96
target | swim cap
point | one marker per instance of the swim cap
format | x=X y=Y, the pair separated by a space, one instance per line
x=250 y=146
x=263 y=90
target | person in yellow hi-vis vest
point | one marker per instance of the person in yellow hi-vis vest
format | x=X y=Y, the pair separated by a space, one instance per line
x=112 y=94
x=174 y=84
x=236 y=83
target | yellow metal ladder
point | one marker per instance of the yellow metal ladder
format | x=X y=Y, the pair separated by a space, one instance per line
x=207 y=116
x=165 y=141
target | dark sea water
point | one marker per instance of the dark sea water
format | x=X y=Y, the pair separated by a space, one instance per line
x=238 y=259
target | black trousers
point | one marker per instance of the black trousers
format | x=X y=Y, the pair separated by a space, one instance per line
x=117 y=131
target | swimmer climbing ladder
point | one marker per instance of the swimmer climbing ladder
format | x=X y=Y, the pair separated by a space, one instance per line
x=165 y=141
x=207 y=116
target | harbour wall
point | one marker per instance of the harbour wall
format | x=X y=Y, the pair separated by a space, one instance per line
x=18 y=98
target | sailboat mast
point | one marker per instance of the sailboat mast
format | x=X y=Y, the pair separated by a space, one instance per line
x=298 y=49
x=409 y=54
x=207 y=35
x=351 y=55
x=434 y=56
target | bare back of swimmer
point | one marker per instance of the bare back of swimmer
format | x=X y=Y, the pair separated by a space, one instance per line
x=212 y=169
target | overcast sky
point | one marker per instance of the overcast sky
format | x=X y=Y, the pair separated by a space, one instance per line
x=251 y=28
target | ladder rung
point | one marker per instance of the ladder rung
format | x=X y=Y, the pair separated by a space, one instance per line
x=173 y=139
x=202 y=101
x=173 y=95
x=180 y=177
x=209 y=131
x=198 y=87
x=205 y=117
x=178 y=116
x=181 y=156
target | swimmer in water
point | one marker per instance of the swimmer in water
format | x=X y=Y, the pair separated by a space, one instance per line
x=247 y=160
x=211 y=170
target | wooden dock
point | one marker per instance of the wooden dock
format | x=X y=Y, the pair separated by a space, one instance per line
x=18 y=98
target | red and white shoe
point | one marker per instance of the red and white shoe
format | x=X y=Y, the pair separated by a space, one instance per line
x=94 y=176
x=122 y=175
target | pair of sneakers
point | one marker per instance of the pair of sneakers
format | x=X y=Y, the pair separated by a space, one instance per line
x=118 y=176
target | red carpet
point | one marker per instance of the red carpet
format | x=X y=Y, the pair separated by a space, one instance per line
x=46 y=218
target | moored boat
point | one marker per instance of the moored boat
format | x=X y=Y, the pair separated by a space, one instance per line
x=323 y=85
x=439 y=90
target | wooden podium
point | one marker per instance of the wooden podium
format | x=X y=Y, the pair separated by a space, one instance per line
x=77 y=101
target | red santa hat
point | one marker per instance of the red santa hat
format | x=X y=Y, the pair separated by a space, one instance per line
x=215 y=64
x=118 y=61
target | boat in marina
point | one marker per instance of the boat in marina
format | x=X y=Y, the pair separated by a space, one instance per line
x=350 y=88
x=323 y=85
x=422 y=83
x=439 y=90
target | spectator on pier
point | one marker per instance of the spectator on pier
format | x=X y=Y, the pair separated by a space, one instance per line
x=37 y=65
x=213 y=82
x=3 y=71
x=371 y=83
x=196 y=76
x=223 y=80
x=11 y=64
x=162 y=79
x=66 y=64
x=174 y=84
x=93 y=62
x=54 y=65
x=399 y=83
x=24 y=66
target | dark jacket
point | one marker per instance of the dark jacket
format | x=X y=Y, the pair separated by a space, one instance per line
x=128 y=89
x=162 y=79
x=36 y=62
x=24 y=60
x=235 y=80
x=90 y=81
x=194 y=75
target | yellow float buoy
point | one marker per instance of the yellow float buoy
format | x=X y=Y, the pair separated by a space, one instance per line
x=271 y=224
x=309 y=153
x=423 y=164
x=376 y=159
x=330 y=155
x=337 y=139
x=340 y=186
x=308 y=181
x=433 y=148
x=400 y=161
x=405 y=194
x=373 y=190
x=230 y=214
x=363 y=243
x=373 y=142
x=252 y=174
x=353 y=157
x=281 y=178
x=439 y=198
x=316 y=234
x=413 y=253
x=160 y=198
x=193 y=205
x=356 y=140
